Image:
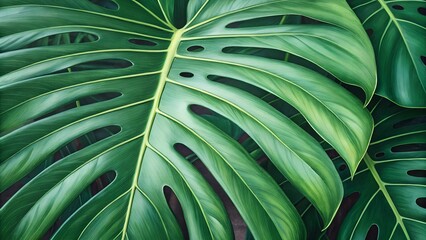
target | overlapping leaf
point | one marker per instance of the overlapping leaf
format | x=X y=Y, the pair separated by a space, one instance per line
x=386 y=196
x=166 y=72
x=388 y=190
x=397 y=31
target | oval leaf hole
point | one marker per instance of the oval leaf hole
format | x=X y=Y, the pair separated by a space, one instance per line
x=142 y=42
x=422 y=11
x=176 y=208
x=417 y=173
x=195 y=49
x=423 y=58
x=342 y=167
x=186 y=74
x=410 y=122
x=256 y=51
x=100 y=65
x=107 y=4
x=185 y=152
x=421 y=202
x=200 y=110
x=413 y=147
x=380 y=154
x=373 y=233
x=262 y=21
x=271 y=20
x=398 y=7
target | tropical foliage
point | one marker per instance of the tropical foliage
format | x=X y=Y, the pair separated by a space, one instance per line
x=385 y=198
x=397 y=32
x=107 y=106
x=391 y=180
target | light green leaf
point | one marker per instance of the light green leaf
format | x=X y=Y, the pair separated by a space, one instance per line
x=151 y=75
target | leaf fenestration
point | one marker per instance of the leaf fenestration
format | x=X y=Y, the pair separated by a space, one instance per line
x=169 y=73
x=397 y=32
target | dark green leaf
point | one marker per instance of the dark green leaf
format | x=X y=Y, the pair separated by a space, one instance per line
x=397 y=31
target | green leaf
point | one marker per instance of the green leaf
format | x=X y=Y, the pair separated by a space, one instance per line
x=391 y=181
x=154 y=75
x=397 y=31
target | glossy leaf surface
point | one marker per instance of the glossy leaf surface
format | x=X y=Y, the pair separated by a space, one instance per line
x=388 y=191
x=397 y=31
x=154 y=74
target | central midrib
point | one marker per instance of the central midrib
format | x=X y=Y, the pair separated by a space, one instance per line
x=398 y=26
x=370 y=165
x=171 y=53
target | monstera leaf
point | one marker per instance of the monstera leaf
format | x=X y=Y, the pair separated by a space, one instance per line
x=388 y=191
x=385 y=199
x=397 y=31
x=134 y=74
